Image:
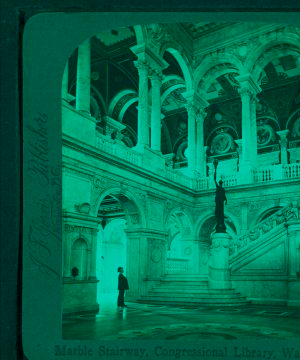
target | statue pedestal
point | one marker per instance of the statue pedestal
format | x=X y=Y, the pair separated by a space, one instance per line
x=219 y=275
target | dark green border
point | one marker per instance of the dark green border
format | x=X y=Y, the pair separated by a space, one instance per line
x=14 y=15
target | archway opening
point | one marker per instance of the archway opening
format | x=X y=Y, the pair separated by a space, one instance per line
x=116 y=213
x=111 y=248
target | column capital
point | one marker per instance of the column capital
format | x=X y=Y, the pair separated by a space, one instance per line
x=194 y=98
x=248 y=87
x=200 y=116
x=156 y=76
x=142 y=66
x=195 y=105
x=146 y=54
x=283 y=134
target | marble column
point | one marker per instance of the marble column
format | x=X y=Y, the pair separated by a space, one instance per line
x=191 y=137
x=253 y=102
x=143 y=129
x=246 y=126
x=283 y=146
x=83 y=84
x=200 y=148
x=156 y=78
x=248 y=90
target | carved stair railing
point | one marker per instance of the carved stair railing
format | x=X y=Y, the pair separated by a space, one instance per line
x=261 y=230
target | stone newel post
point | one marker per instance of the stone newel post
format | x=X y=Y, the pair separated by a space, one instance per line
x=219 y=274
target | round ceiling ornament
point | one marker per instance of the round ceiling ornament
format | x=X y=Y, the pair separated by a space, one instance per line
x=265 y=134
x=221 y=143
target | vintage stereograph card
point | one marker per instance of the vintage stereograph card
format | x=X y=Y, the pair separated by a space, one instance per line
x=161 y=175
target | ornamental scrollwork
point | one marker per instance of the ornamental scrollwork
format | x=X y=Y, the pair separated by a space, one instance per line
x=156 y=254
x=78 y=229
x=99 y=182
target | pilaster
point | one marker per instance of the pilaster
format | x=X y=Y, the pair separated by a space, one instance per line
x=83 y=84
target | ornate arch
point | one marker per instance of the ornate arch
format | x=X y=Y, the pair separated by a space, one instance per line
x=83 y=238
x=121 y=102
x=264 y=213
x=214 y=63
x=210 y=213
x=134 y=213
x=182 y=60
x=267 y=42
x=271 y=55
x=169 y=84
x=140 y=33
x=292 y=117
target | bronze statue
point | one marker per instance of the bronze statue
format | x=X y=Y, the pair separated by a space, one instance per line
x=220 y=198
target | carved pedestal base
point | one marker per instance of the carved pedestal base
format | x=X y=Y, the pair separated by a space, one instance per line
x=219 y=275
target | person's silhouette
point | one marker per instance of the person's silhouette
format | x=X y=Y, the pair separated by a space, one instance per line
x=122 y=287
x=219 y=212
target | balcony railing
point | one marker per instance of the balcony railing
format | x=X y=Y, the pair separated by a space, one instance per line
x=119 y=150
x=176 y=266
x=263 y=174
x=291 y=171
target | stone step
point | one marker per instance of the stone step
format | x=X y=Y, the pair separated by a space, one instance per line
x=182 y=285
x=185 y=279
x=191 y=276
x=194 y=302
x=206 y=290
x=197 y=295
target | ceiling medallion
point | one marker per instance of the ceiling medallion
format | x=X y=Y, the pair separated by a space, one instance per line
x=265 y=134
x=221 y=143
x=218 y=117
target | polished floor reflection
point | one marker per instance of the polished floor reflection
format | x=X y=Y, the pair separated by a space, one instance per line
x=183 y=323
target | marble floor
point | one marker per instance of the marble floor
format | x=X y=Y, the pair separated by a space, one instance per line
x=183 y=323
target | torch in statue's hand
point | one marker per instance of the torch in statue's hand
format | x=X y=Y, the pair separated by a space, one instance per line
x=216 y=161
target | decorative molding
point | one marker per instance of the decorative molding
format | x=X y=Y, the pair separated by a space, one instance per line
x=156 y=254
x=80 y=229
x=83 y=208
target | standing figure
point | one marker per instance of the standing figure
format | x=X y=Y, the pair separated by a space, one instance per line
x=122 y=287
x=220 y=198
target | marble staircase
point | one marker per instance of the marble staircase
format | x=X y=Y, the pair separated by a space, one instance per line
x=191 y=290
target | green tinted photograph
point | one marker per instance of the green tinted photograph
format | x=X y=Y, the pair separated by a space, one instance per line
x=180 y=188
